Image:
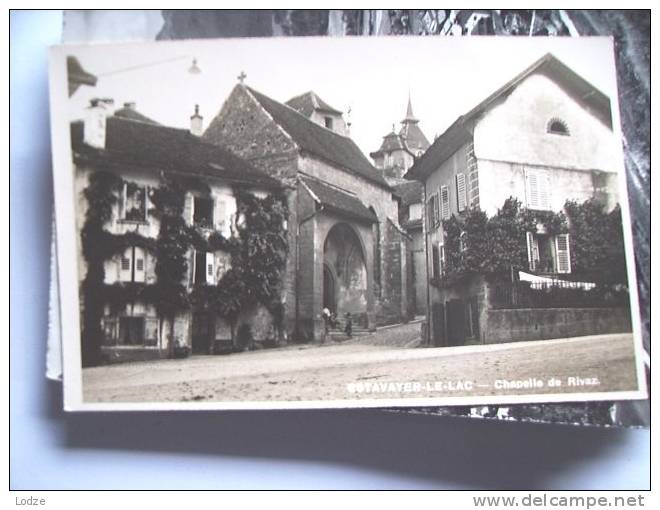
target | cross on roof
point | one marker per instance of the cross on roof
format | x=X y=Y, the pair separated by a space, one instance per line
x=241 y=77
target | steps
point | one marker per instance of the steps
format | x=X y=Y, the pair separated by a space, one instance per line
x=338 y=334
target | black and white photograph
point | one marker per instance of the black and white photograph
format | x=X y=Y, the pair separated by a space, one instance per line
x=342 y=222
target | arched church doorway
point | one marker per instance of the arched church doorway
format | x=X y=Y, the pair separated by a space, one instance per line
x=345 y=273
x=329 y=298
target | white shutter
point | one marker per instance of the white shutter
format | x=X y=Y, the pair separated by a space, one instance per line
x=544 y=190
x=442 y=259
x=532 y=189
x=193 y=267
x=461 y=192
x=220 y=216
x=532 y=248
x=126 y=265
x=210 y=268
x=562 y=246
x=140 y=263
x=444 y=202
x=189 y=209
x=429 y=213
x=436 y=210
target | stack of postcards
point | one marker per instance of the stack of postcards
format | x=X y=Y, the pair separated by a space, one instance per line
x=421 y=224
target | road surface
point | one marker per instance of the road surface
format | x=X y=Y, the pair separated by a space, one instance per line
x=362 y=369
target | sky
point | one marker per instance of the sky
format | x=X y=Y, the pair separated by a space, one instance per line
x=372 y=76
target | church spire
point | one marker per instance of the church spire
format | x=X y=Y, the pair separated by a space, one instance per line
x=410 y=116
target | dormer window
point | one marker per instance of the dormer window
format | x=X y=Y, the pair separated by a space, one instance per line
x=328 y=122
x=558 y=127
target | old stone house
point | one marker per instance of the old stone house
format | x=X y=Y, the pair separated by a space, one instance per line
x=543 y=138
x=121 y=161
x=395 y=156
x=346 y=249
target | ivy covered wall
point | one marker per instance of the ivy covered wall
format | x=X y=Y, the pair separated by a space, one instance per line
x=257 y=247
x=495 y=246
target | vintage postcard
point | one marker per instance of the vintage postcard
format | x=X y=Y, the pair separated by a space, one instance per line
x=288 y=223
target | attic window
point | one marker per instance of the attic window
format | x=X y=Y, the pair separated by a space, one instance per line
x=558 y=127
x=328 y=122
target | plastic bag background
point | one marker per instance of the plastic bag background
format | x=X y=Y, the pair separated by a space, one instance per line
x=631 y=33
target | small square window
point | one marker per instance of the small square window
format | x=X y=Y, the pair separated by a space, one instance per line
x=328 y=122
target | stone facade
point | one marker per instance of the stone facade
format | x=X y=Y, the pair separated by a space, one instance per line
x=247 y=129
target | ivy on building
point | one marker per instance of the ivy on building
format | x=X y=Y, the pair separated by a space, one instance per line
x=258 y=251
x=597 y=253
x=496 y=247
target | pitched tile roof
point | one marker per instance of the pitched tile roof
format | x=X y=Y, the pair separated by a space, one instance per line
x=597 y=103
x=129 y=112
x=319 y=141
x=413 y=136
x=167 y=149
x=409 y=192
x=306 y=103
x=391 y=142
x=338 y=200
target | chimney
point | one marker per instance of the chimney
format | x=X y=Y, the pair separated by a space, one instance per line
x=196 y=122
x=94 y=126
x=130 y=105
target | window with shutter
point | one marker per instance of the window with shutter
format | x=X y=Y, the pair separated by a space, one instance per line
x=189 y=209
x=442 y=259
x=134 y=202
x=532 y=189
x=220 y=216
x=444 y=202
x=210 y=271
x=544 y=191
x=562 y=245
x=532 y=251
x=203 y=212
x=461 y=192
x=429 y=213
x=433 y=212
x=199 y=267
x=133 y=264
x=537 y=189
x=126 y=266
x=139 y=263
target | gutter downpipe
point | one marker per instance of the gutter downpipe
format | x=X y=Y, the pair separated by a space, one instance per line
x=426 y=261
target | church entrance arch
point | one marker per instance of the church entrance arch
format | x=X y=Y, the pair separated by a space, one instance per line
x=329 y=297
x=345 y=273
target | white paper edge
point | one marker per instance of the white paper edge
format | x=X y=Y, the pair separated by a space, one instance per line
x=63 y=187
